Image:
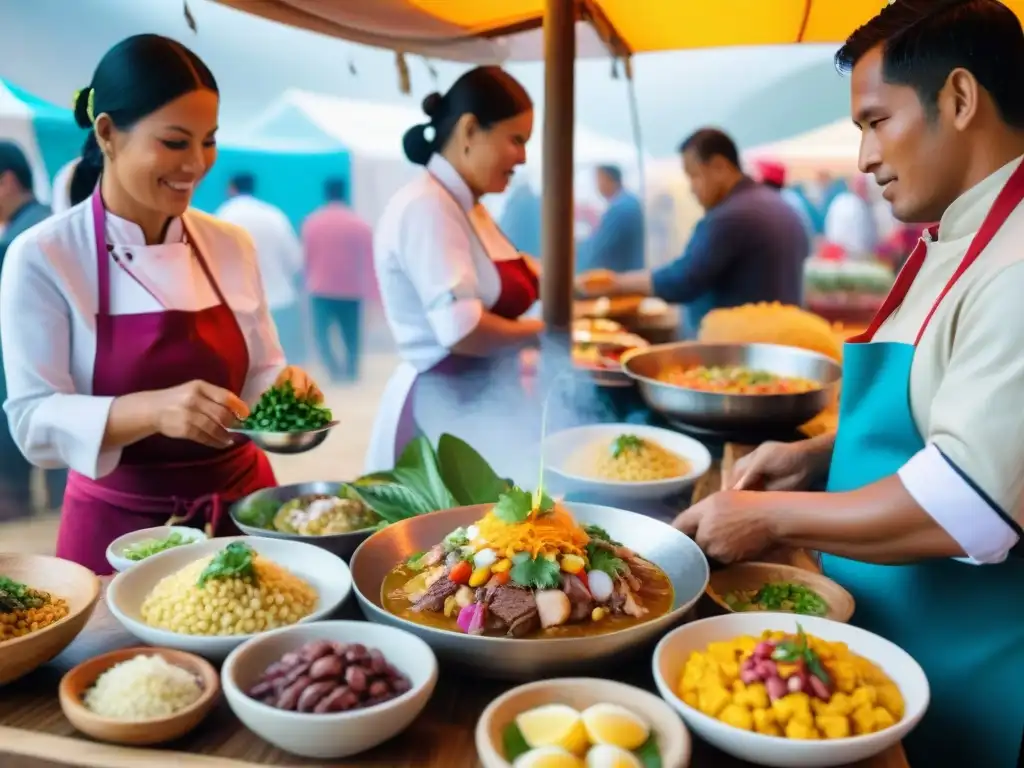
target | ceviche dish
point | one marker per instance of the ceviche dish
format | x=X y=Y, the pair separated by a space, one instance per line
x=735 y=380
x=24 y=610
x=527 y=569
x=627 y=458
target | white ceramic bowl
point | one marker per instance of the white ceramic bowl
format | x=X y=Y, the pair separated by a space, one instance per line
x=561 y=447
x=115 y=552
x=327 y=573
x=672 y=652
x=674 y=743
x=337 y=734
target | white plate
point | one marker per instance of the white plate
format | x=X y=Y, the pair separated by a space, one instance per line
x=338 y=734
x=115 y=552
x=327 y=573
x=672 y=652
x=560 y=447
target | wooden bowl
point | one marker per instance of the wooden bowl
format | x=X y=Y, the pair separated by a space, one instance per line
x=139 y=732
x=746 y=576
x=674 y=743
x=74 y=583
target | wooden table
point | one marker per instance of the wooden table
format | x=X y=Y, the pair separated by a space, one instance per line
x=35 y=734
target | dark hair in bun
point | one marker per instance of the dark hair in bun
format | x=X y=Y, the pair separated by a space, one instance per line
x=490 y=94
x=135 y=78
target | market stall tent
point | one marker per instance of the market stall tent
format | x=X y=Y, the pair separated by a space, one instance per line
x=483 y=30
x=831 y=148
x=371 y=134
x=47 y=134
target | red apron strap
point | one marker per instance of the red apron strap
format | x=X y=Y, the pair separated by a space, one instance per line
x=99 y=224
x=1011 y=195
x=1006 y=203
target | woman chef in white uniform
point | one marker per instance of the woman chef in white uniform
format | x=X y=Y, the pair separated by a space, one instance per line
x=134 y=329
x=454 y=288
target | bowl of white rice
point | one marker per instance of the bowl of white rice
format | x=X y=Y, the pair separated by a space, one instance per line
x=625 y=461
x=139 y=696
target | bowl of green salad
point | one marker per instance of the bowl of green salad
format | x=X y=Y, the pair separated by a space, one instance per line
x=283 y=422
x=132 y=548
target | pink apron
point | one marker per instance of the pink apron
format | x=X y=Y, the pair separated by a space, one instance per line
x=159 y=478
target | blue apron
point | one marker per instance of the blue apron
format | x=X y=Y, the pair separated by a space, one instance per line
x=963 y=623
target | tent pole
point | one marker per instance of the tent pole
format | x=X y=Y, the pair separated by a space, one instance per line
x=559 y=118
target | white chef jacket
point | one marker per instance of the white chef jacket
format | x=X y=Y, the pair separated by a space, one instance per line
x=48 y=304
x=967 y=377
x=434 y=251
x=277 y=245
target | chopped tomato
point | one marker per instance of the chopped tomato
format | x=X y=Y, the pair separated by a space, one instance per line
x=500 y=578
x=582 y=576
x=460 y=572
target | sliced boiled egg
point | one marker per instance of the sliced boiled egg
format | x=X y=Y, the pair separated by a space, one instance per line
x=608 y=756
x=548 y=757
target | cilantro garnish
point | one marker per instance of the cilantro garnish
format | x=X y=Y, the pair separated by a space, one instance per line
x=537 y=573
x=602 y=560
x=597 y=532
x=624 y=443
x=791 y=651
x=515 y=505
x=234 y=560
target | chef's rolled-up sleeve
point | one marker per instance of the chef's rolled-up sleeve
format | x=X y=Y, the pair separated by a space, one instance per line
x=970 y=476
x=436 y=254
x=52 y=424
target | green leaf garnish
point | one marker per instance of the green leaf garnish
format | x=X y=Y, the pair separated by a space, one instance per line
x=799 y=649
x=414 y=561
x=625 y=443
x=456 y=539
x=235 y=560
x=536 y=573
x=514 y=506
x=602 y=560
x=597 y=532
x=514 y=743
x=648 y=752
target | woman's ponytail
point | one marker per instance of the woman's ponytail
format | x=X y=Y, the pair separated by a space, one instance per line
x=87 y=172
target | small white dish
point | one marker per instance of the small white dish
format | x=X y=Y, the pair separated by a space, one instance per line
x=561 y=447
x=327 y=573
x=115 y=552
x=337 y=734
x=674 y=743
x=675 y=648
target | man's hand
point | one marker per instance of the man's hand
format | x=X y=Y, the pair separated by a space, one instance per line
x=597 y=282
x=781 y=467
x=729 y=526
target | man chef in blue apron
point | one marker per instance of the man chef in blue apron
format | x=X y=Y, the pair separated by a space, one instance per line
x=925 y=476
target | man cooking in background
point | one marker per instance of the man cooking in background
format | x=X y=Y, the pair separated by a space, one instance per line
x=339 y=277
x=19 y=210
x=922 y=521
x=618 y=242
x=749 y=247
x=280 y=257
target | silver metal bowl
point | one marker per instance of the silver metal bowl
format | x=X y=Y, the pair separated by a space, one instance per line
x=532 y=658
x=734 y=413
x=287 y=442
x=340 y=544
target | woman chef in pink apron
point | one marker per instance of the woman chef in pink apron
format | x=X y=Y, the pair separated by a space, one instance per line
x=454 y=289
x=135 y=330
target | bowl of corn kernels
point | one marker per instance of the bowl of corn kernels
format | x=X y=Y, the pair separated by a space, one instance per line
x=44 y=603
x=209 y=597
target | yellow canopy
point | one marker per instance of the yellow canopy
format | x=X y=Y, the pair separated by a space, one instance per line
x=476 y=29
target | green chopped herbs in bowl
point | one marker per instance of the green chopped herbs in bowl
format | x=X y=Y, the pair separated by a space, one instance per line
x=778 y=596
x=236 y=559
x=280 y=410
x=15 y=596
x=140 y=550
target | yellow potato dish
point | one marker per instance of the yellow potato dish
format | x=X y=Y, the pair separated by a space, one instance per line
x=791 y=686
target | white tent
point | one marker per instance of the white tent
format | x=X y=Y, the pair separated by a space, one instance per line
x=833 y=148
x=372 y=134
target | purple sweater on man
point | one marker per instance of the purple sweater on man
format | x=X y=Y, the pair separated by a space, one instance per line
x=749 y=248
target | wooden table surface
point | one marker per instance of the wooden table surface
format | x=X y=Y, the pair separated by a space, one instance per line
x=35 y=734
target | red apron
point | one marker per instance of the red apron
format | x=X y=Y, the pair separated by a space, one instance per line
x=159 y=478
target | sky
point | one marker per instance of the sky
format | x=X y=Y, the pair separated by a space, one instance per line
x=50 y=47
